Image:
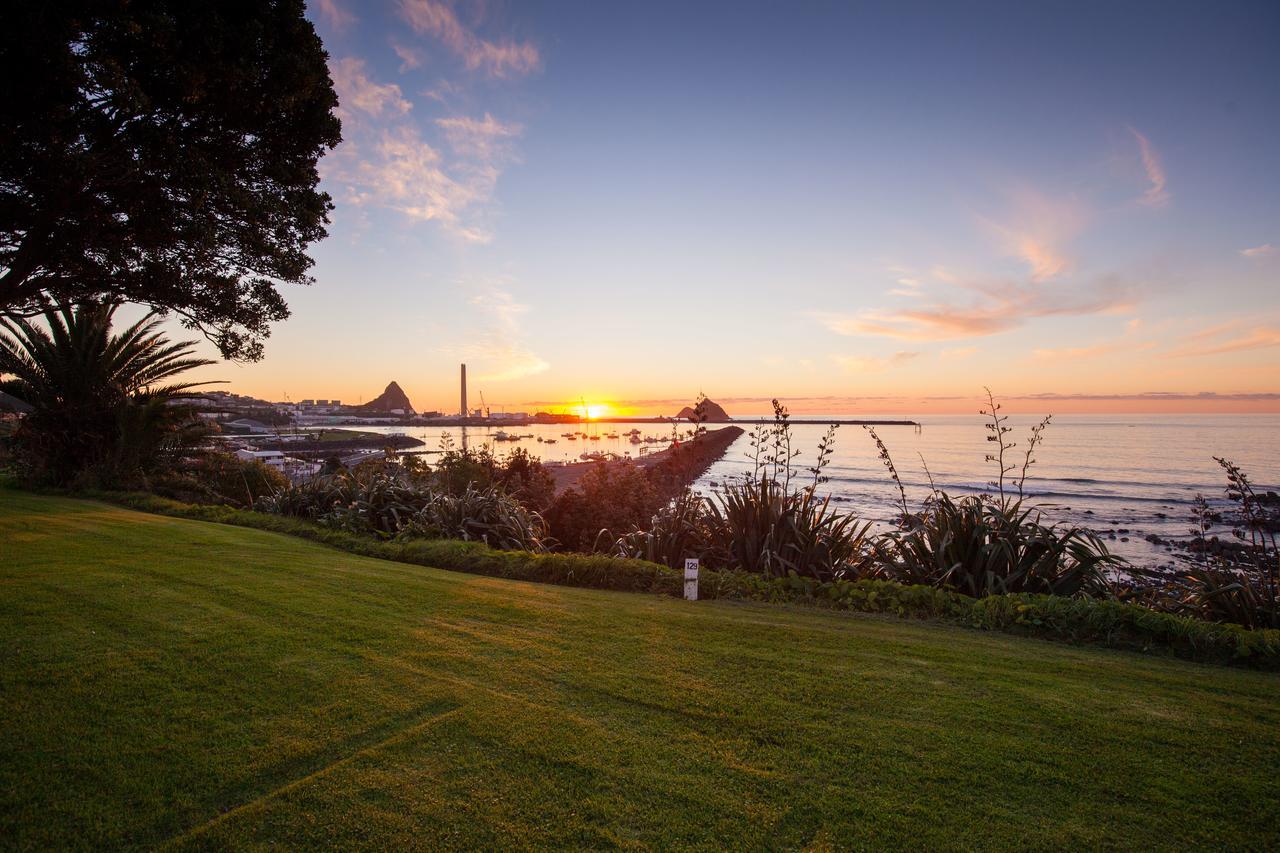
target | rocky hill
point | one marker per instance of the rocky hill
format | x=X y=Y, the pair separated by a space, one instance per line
x=390 y=400
x=712 y=411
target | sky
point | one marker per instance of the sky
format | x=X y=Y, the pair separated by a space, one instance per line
x=856 y=207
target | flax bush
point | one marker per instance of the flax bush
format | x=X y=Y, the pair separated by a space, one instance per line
x=995 y=543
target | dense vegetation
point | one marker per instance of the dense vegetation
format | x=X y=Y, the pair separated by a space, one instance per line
x=389 y=500
x=196 y=685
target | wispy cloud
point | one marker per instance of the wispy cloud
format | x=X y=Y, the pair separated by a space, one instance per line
x=906 y=286
x=1036 y=228
x=998 y=309
x=334 y=15
x=1151 y=396
x=357 y=92
x=485 y=139
x=1156 y=194
x=497 y=350
x=864 y=364
x=1078 y=353
x=410 y=58
x=944 y=274
x=502 y=58
x=1266 y=250
x=1235 y=336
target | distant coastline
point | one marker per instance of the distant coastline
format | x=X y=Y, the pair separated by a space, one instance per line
x=576 y=420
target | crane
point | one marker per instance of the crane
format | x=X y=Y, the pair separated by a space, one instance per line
x=484 y=406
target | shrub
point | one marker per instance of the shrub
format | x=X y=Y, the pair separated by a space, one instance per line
x=375 y=499
x=615 y=496
x=984 y=547
x=221 y=478
x=387 y=501
x=519 y=475
x=759 y=527
x=483 y=514
x=674 y=533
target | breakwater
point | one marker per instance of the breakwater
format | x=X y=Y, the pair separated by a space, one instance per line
x=672 y=469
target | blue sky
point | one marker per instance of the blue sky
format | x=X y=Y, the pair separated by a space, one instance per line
x=858 y=207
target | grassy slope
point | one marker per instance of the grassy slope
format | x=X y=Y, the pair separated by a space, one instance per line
x=168 y=679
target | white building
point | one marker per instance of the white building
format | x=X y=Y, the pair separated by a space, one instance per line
x=274 y=458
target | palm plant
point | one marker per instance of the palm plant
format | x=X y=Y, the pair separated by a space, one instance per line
x=104 y=404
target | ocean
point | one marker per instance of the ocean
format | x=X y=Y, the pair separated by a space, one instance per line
x=1124 y=476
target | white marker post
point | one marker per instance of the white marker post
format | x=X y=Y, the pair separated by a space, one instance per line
x=691 y=579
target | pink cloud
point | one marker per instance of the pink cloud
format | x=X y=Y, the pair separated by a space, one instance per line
x=499 y=59
x=334 y=15
x=859 y=364
x=1229 y=337
x=480 y=139
x=999 y=309
x=1037 y=228
x=357 y=92
x=409 y=57
x=1156 y=194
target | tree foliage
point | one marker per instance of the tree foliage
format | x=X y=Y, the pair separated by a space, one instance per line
x=163 y=152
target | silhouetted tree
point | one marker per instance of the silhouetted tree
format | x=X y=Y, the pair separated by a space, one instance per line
x=162 y=152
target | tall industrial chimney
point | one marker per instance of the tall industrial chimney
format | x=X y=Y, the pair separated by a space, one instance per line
x=463 y=411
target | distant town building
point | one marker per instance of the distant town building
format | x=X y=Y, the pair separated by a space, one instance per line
x=295 y=469
x=274 y=458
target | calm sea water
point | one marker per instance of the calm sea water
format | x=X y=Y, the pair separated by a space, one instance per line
x=1125 y=476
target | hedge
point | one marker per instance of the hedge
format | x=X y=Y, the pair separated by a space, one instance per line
x=1111 y=624
x=1092 y=621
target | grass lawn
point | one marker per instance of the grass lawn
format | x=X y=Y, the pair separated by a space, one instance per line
x=176 y=681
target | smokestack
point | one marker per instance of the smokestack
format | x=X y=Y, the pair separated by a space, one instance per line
x=463 y=411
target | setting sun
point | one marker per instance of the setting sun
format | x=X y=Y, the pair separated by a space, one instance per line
x=595 y=411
